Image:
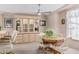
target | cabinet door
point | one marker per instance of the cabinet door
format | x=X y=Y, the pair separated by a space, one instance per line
x=32 y=37
x=31 y=25
x=25 y=25
x=38 y=38
x=19 y=39
x=25 y=38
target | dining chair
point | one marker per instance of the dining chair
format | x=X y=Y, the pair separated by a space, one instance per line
x=10 y=38
x=13 y=38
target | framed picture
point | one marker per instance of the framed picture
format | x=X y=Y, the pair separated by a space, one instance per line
x=42 y=22
x=8 y=22
x=63 y=21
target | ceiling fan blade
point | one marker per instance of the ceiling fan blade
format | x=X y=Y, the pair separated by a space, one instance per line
x=46 y=13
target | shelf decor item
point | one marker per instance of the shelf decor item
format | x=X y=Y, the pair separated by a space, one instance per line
x=42 y=22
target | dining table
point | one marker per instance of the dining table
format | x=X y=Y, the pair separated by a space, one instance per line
x=52 y=45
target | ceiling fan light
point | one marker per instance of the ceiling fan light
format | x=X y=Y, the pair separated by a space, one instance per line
x=39 y=14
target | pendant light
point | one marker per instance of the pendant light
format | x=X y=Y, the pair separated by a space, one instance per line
x=38 y=12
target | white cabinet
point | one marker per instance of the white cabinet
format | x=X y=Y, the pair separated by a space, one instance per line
x=27 y=25
x=27 y=37
x=28 y=29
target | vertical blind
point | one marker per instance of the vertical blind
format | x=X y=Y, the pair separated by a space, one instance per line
x=73 y=24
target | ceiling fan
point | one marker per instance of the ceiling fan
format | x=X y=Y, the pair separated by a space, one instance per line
x=39 y=12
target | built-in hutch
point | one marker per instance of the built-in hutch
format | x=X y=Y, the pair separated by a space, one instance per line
x=28 y=27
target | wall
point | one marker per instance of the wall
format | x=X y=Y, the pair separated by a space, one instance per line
x=54 y=22
x=62 y=27
x=51 y=21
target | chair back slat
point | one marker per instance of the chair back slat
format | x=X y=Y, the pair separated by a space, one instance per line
x=13 y=36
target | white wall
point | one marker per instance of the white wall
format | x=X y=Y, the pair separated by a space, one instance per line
x=51 y=21
x=54 y=22
x=43 y=28
x=62 y=27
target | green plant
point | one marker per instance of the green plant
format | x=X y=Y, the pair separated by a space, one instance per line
x=50 y=33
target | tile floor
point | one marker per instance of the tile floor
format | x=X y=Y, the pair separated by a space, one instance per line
x=31 y=48
x=25 y=48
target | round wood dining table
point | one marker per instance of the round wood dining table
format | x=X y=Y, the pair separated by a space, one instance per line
x=53 y=41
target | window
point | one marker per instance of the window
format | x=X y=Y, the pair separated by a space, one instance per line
x=73 y=24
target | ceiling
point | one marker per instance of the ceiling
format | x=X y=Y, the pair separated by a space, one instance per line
x=28 y=8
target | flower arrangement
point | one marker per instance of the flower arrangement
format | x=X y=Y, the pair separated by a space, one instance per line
x=51 y=33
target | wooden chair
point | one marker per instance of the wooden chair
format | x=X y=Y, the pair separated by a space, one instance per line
x=10 y=39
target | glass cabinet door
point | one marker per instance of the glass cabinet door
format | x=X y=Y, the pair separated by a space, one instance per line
x=25 y=25
x=31 y=25
x=36 y=25
x=18 y=24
